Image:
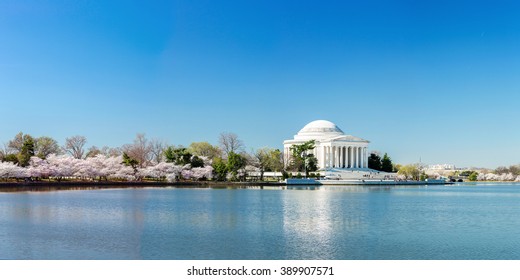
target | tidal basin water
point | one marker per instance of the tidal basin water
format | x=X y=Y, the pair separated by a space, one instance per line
x=440 y=222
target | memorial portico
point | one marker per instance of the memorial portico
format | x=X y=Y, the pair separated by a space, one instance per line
x=334 y=148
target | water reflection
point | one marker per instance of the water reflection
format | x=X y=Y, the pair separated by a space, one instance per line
x=459 y=222
x=59 y=224
x=308 y=224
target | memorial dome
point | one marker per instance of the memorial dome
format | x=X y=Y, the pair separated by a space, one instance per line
x=333 y=148
x=321 y=128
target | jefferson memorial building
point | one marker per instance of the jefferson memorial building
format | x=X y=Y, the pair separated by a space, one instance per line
x=334 y=148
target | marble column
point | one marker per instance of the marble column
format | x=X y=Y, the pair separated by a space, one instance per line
x=340 y=157
x=345 y=151
x=351 y=157
x=336 y=156
x=349 y=151
x=322 y=156
x=359 y=157
x=355 y=157
x=331 y=153
x=365 y=158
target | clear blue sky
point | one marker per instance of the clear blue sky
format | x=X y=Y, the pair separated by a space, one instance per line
x=436 y=80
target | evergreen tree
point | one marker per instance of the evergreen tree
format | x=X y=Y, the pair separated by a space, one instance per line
x=27 y=151
x=196 y=162
x=235 y=163
x=299 y=153
x=311 y=164
x=220 y=169
x=179 y=156
x=128 y=161
x=374 y=162
x=386 y=164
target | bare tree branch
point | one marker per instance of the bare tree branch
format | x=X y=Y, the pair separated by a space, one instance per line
x=75 y=146
x=229 y=142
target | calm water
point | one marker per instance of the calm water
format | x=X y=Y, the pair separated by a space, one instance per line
x=453 y=222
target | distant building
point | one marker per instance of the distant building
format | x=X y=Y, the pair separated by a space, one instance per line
x=441 y=167
x=334 y=148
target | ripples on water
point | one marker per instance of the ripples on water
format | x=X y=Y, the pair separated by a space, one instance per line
x=452 y=222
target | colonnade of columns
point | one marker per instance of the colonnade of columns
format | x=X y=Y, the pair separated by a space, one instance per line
x=337 y=156
x=343 y=157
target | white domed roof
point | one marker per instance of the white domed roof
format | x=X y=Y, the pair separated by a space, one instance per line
x=318 y=130
x=320 y=126
x=322 y=131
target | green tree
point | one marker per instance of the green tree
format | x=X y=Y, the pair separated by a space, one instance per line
x=268 y=160
x=220 y=169
x=235 y=163
x=205 y=149
x=410 y=171
x=299 y=153
x=386 y=164
x=129 y=161
x=311 y=164
x=275 y=161
x=374 y=162
x=27 y=150
x=473 y=176
x=179 y=156
x=196 y=162
x=46 y=146
x=11 y=158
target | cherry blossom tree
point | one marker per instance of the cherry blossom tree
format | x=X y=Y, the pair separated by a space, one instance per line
x=200 y=173
x=38 y=168
x=86 y=169
x=161 y=170
x=10 y=170
x=63 y=165
x=187 y=174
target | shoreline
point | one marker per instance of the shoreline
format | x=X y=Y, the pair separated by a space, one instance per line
x=6 y=187
x=74 y=185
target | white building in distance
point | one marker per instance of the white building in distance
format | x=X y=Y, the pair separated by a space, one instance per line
x=334 y=148
x=441 y=167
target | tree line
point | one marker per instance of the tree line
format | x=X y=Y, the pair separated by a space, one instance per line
x=42 y=157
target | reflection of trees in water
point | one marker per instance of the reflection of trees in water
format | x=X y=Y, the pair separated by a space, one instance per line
x=73 y=225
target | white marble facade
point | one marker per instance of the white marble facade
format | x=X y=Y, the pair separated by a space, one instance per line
x=334 y=148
